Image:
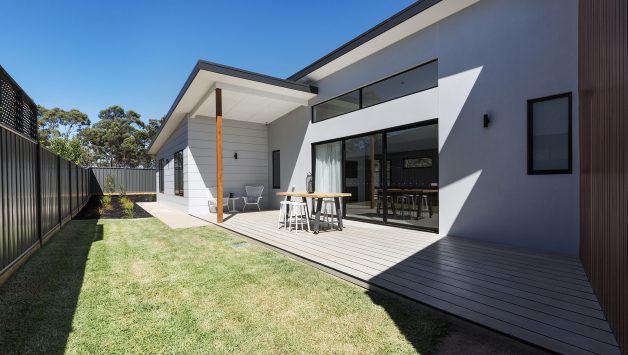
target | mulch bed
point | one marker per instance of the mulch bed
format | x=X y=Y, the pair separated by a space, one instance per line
x=93 y=208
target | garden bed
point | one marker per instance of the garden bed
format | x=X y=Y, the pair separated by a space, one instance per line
x=115 y=210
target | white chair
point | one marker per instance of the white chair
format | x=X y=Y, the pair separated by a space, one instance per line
x=283 y=210
x=213 y=199
x=253 y=196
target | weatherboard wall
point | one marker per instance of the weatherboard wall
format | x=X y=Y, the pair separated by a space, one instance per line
x=176 y=142
x=250 y=142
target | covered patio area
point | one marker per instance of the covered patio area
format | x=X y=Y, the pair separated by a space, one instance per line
x=542 y=299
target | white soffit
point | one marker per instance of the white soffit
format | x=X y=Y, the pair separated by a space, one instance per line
x=242 y=100
x=413 y=25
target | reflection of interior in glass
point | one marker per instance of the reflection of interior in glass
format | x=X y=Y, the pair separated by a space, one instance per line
x=411 y=163
x=363 y=177
x=412 y=189
x=403 y=190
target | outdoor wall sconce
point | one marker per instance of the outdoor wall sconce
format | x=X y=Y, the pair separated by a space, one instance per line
x=487 y=120
x=235 y=155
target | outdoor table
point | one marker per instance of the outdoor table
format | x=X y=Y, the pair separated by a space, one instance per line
x=319 y=196
x=231 y=201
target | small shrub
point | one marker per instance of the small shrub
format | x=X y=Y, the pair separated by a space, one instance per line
x=105 y=202
x=122 y=191
x=127 y=206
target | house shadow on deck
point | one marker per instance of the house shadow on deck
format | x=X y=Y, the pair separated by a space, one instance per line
x=541 y=299
x=38 y=303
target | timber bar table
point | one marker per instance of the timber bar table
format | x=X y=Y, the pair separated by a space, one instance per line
x=319 y=196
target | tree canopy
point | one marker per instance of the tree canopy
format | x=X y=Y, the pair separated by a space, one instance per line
x=58 y=129
x=118 y=139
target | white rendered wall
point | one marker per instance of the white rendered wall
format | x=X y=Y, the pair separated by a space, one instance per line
x=493 y=57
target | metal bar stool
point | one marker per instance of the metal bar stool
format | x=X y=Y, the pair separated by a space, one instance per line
x=329 y=217
x=389 y=201
x=425 y=206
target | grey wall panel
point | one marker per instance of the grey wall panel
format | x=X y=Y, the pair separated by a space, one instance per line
x=485 y=192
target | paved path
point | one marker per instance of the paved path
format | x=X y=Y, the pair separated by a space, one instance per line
x=172 y=217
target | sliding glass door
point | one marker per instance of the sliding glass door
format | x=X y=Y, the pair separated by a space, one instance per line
x=412 y=188
x=363 y=156
x=392 y=175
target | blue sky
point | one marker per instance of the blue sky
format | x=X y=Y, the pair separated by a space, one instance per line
x=92 y=54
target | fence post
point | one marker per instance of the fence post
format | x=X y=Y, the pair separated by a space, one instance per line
x=38 y=189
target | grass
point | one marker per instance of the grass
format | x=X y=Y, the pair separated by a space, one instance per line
x=135 y=286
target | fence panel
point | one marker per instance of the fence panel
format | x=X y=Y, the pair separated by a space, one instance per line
x=49 y=165
x=127 y=179
x=18 y=193
x=66 y=207
x=38 y=190
x=74 y=188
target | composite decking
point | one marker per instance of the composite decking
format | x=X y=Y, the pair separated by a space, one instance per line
x=539 y=298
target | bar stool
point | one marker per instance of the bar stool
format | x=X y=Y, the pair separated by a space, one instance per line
x=403 y=201
x=299 y=216
x=329 y=217
x=424 y=207
x=389 y=201
x=283 y=210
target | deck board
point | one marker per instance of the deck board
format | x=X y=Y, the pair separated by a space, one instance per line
x=542 y=299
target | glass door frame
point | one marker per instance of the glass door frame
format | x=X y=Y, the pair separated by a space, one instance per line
x=383 y=169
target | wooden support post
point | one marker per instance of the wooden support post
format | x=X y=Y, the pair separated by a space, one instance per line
x=219 y=182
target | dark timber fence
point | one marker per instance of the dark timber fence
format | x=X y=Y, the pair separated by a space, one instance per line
x=603 y=63
x=124 y=179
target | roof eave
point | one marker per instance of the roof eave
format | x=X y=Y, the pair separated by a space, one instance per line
x=235 y=72
x=403 y=15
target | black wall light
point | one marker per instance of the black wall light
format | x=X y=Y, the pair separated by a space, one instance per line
x=487 y=120
x=235 y=155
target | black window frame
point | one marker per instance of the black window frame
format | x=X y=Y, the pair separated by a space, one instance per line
x=569 y=169
x=359 y=91
x=384 y=177
x=360 y=98
x=178 y=174
x=161 y=175
x=278 y=162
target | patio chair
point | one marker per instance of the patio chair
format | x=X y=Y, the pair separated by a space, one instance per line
x=213 y=199
x=253 y=196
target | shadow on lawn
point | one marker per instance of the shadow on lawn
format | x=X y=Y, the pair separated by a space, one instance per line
x=421 y=327
x=38 y=302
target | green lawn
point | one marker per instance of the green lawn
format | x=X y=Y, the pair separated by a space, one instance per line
x=135 y=286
